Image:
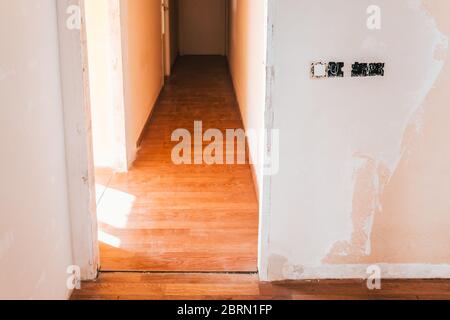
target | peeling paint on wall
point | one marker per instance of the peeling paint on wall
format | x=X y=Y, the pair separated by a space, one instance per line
x=371 y=180
x=362 y=165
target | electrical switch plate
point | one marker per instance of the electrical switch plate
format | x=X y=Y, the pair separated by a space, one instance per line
x=319 y=70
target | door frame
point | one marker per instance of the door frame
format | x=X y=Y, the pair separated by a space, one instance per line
x=78 y=137
x=74 y=68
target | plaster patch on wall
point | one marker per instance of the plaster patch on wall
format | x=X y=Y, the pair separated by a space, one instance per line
x=280 y=268
x=370 y=178
x=276 y=267
x=381 y=139
x=415 y=224
x=380 y=164
x=359 y=271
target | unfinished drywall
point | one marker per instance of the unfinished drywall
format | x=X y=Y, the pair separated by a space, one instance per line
x=364 y=162
x=104 y=42
x=35 y=246
x=247 y=56
x=202 y=27
x=142 y=64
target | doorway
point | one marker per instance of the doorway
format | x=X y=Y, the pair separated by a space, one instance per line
x=155 y=214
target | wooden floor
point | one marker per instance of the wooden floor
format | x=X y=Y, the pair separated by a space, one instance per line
x=164 y=217
x=135 y=286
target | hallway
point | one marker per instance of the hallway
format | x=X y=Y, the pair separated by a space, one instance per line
x=165 y=217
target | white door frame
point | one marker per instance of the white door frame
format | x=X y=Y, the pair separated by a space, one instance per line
x=78 y=138
x=77 y=123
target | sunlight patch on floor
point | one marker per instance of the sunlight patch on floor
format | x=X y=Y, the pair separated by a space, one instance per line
x=115 y=207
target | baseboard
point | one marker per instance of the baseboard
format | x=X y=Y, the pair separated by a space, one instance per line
x=147 y=122
x=360 y=271
x=253 y=170
x=247 y=146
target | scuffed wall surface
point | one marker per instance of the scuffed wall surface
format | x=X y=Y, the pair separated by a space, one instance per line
x=35 y=247
x=366 y=159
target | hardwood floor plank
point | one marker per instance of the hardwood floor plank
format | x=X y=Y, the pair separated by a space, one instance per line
x=161 y=286
x=166 y=217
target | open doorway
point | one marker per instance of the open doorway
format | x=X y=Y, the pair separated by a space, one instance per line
x=170 y=77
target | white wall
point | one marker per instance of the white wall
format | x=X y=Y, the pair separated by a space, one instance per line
x=125 y=51
x=202 y=28
x=142 y=65
x=35 y=246
x=364 y=167
x=247 y=58
x=98 y=26
x=103 y=28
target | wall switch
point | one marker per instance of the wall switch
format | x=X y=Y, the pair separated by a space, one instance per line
x=319 y=70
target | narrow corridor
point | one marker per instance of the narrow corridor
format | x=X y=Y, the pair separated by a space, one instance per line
x=166 y=217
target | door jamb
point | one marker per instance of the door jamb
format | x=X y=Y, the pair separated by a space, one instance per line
x=79 y=151
x=78 y=137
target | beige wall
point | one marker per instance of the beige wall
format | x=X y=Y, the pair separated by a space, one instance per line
x=97 y=24
x=247 y=55
x=35 y=245
x=202 y=27
x=364 y=162
x=143 y=64
x=104 y=69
